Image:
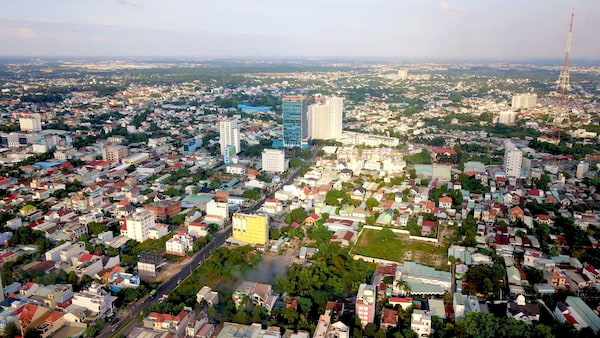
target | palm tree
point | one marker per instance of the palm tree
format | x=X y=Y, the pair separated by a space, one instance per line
x=403 y=287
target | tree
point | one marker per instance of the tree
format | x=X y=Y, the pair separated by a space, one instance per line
x=321 y=234
x=336 y=197
x=178 y=219
x=252 y=194
x=295 y=162
x=370 y=330
x=297 y=215
x=480 y=324
x=386 y=234
x=10 y=330
x=290 y=315
x=371 y=203
x=96 y=228
x=305 y=304
x=171 y=192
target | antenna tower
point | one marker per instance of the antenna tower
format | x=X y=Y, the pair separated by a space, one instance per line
x=563 y=85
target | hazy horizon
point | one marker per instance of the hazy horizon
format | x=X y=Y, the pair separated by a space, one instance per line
x=428 y=29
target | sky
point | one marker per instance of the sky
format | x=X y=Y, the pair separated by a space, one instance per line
x=430 y=29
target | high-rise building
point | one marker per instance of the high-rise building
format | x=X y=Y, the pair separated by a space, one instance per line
x=513 y=160
x=365 y=303
x=114 y=153
x=507 y=117
x=582 y=169
x=295 y=121
x=326 y=118
x=30 y=122
x=273 y=160
x=527 y=100
x=137 y=225
x=230 y=135
x=250 y=228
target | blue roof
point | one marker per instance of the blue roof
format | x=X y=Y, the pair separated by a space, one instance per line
x=46 y=165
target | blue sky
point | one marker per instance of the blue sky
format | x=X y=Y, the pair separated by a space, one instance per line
x=459 y=29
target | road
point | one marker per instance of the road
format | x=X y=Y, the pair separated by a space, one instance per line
x=144 y=303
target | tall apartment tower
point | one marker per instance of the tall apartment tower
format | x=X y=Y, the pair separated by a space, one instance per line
x=513 y=160
x=527 y=100
x=326 y=118
x=30 y=122
x=295 y=121
x=230 y=134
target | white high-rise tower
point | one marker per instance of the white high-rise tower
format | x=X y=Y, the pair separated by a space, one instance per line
x=326 y=118
x=230 y=134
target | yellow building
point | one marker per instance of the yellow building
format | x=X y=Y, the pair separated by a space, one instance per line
x=252 y=229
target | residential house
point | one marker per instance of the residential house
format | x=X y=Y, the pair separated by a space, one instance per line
x=389 y=319
x=420 y=323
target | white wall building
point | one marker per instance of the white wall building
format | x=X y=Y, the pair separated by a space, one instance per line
x=420 y=323
x=527 y=100
x=179 y=245
x=273 y=160
x=30 y=122
x=507 y=117
x=230 y=134
x=137 y=225
x=95 y=299
x=513 y=159
x=325 y=118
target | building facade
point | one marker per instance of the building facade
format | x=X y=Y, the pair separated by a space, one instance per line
x=523 y=101
x=230 y=135
x=249 y=228
x=365 y=303
x=325 y=118
x=273 y=160
x=30 y=122
x=114 y=153
x=138 y=225
x=295 y=121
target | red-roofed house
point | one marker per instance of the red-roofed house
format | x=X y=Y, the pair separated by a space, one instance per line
x=389 y=319
x=544 y=219
x=445 y=202
x=168 y=323
x=30 y=316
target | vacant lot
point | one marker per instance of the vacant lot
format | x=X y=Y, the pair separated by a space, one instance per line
x=401 y=249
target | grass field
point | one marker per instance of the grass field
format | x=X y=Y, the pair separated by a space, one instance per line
x=401 y=248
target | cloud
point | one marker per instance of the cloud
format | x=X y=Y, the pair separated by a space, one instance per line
x=445 y=6
x=136 y=3
x=17 y=32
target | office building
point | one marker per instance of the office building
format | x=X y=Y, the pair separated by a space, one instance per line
x=295 y=121
x=326 y=118
x=524 y=101
x=365 y=303
x=230 y=135
x=30 y=122
x=250 y=228
x=137 y=226
x=273 y=161
x=114 y=153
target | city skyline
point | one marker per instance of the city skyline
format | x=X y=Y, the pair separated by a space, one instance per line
x=357 y=28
